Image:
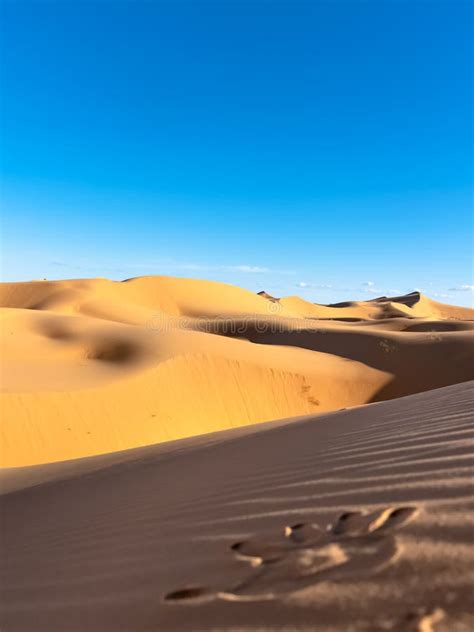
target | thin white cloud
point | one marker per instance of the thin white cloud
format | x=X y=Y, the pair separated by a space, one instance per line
x=314 y=286
x=247 y=269
x=369 y=286
x=166 y=265
x=462 y=288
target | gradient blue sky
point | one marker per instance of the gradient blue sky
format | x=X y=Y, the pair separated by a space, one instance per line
x=319 y=148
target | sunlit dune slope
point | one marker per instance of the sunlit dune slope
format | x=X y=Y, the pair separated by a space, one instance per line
x=77 y=385
x=136 y=300
x=92 y=366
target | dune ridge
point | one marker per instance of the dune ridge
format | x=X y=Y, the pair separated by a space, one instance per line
x=91 y=366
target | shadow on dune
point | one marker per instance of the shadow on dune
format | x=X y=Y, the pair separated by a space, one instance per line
x=418 y=363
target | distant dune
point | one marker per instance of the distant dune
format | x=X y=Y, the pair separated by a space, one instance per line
x=93 y=366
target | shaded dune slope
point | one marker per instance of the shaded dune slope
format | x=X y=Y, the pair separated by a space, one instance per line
x=357 y=520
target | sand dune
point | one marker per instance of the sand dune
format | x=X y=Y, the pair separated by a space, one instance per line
x=94 y=366
x=413 y=305
x=342 y=511
x=354 y=520
x=138 y=298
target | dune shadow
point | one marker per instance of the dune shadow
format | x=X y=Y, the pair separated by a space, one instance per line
x=416 y=365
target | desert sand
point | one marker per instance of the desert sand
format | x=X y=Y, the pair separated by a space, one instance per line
x=94 y=366
x=182 y=455
x=255 y=529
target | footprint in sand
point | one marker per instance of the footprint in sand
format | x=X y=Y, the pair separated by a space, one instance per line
x=422 y=620
x=357 y=545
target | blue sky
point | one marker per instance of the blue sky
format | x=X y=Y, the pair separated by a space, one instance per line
x=318 y=148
